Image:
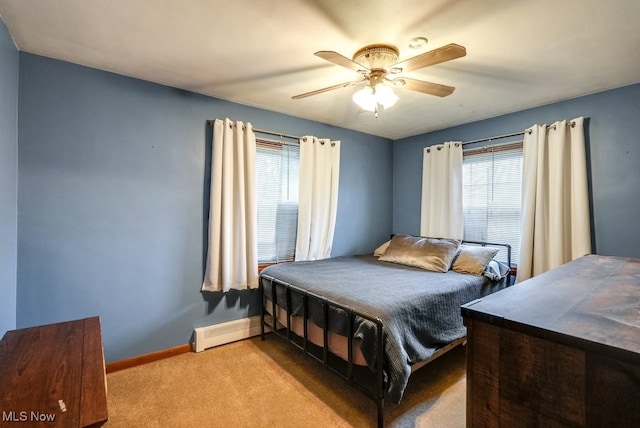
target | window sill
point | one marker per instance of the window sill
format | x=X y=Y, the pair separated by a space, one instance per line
x=265 y=265
x=260 y=267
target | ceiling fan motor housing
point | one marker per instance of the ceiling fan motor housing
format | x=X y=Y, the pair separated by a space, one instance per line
x=377 y=57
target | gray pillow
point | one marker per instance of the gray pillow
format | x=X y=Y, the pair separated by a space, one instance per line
x=434 y=254
x=473 y=259
x=496 y=270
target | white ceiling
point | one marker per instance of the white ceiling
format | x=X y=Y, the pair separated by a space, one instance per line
x=520 y=53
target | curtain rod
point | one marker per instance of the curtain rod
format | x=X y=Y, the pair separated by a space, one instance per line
x=496 y=137
x=513 y=134
x=277 y=134
x=264 y=131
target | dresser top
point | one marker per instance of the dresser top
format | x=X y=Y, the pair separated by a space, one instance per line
x=54 y=375
x=592 y=303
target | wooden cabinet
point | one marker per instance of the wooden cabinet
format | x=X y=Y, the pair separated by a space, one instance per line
x=560 y=349
x=53 y=375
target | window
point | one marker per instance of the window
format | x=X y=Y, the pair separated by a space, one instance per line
x=491 y=195
x=277 y=167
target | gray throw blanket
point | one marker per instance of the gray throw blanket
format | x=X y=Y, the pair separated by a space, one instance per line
x=420 y=310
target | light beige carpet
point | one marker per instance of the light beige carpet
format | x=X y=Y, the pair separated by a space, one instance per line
x=254 y=383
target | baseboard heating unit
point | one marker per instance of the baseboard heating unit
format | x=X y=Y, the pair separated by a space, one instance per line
x=220 y=334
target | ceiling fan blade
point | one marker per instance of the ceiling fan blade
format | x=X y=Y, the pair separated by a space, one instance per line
x=341 y=60
x=329 y=88
x=436 y=56
x=425 y=87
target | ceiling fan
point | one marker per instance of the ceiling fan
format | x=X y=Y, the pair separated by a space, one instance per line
x=376 y=63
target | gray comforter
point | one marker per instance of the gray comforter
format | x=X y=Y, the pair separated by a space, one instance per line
x=420 y=310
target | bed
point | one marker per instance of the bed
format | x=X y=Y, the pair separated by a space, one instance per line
x=375 y=318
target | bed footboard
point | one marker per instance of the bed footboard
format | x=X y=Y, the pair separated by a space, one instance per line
x=268 y=319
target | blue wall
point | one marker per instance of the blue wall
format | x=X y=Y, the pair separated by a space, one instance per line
x=111 y=206
x=613 y=140
x=111 y=195
x=8 y=178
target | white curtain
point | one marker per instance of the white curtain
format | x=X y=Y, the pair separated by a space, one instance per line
x=555 y=198
x=232 y=258
x=441 y=209
x=318 y=197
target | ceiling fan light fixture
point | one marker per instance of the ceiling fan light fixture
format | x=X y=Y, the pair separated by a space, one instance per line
x=368 y=98
x=365 y=99
x=385 y=96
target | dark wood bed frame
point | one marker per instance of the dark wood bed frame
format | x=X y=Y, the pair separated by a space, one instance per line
x=347 y=370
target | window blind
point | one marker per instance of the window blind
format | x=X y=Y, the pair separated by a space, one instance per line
x=277 y=170
x=492 y=188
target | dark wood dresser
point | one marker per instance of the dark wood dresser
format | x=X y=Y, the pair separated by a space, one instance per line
x=560 y=349
x=53 y=375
